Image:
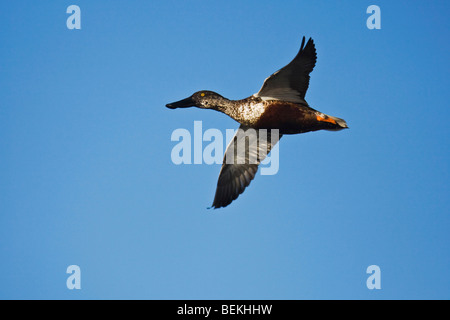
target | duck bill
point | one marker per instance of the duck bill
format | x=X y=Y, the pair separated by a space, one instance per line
x=185 y=103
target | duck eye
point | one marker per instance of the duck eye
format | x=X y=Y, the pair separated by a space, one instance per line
x=202 y=94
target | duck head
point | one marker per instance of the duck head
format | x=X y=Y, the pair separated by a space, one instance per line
x=201 y=99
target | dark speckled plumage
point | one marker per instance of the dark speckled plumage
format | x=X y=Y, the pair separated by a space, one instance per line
x=279 y=104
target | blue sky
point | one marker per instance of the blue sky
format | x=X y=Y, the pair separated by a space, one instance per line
x=86 y=176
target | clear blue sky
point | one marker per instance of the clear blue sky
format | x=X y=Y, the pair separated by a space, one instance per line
x=86 y=176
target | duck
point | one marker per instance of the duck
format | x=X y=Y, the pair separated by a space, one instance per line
x=278 y=108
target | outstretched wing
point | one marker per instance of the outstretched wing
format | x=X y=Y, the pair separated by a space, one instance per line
x=291 y=82
x=243 y=155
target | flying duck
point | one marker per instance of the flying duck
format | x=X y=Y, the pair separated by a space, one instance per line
x=279 y=105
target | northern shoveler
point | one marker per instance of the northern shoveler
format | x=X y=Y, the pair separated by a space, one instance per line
x=279 y=104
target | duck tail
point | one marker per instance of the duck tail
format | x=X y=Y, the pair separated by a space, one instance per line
x=340 y=122
x=337 y=123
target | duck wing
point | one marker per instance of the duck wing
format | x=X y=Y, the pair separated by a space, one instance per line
x=291 y=82
x=240 y=163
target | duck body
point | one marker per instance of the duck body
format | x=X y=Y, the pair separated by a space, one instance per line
x=287 y=117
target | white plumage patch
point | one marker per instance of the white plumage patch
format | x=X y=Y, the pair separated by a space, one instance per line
x=251 y=111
